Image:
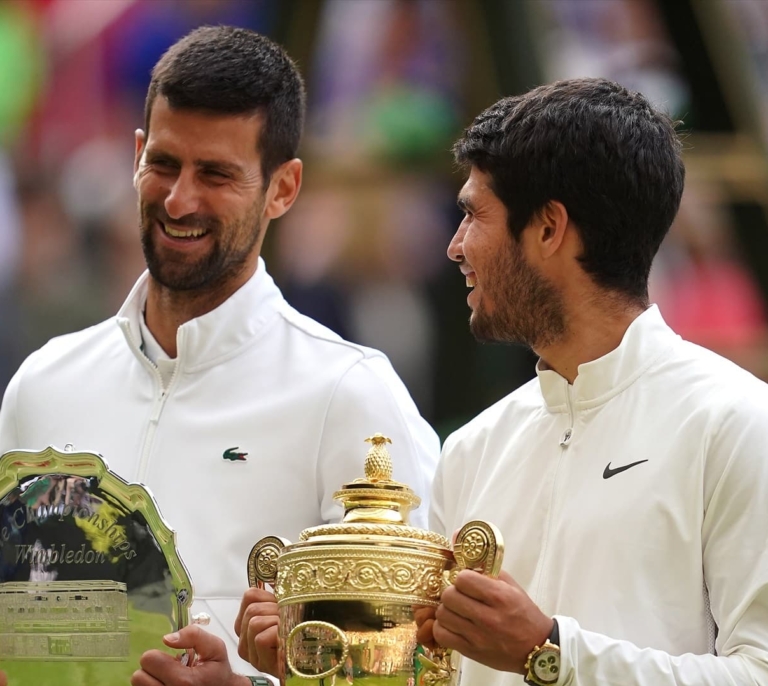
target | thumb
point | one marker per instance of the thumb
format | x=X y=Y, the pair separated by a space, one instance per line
x=207 y=646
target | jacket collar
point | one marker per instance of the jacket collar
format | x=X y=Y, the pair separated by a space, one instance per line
x=220 y=333
x=646 y=339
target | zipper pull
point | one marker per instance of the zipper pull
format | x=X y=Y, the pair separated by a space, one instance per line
x=566 y=439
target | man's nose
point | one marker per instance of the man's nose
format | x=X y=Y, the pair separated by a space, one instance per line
x=456 y=246
x=184 y=197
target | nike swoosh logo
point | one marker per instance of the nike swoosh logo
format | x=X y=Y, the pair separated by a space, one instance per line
x=608 y=473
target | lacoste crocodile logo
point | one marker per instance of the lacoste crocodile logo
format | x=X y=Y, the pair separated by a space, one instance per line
x=234 y=455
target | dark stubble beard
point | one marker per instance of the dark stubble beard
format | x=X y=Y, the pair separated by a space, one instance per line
x=225 y=261
x=527 y=308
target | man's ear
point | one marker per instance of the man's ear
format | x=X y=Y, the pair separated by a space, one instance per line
x=552 y=223
x=141 y=140
x=283 y=188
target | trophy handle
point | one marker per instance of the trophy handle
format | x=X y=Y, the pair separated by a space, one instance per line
x=478 y=546
x=305 y=644
x=262 y=561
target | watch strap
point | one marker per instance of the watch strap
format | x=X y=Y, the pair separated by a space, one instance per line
x=554 y=637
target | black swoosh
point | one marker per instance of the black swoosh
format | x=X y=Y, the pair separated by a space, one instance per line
x=608 y=473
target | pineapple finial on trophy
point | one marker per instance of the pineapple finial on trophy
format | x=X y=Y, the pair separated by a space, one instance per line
x=378 y=463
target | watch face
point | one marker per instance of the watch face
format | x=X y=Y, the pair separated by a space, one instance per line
x=545 y=666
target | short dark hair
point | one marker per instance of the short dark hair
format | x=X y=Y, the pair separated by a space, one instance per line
x=601 y=150
x=228 y=70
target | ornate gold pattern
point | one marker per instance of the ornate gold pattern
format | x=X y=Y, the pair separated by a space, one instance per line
x=440 y=669
x=343 y=529
x=338 y=572
x=262 y=560
x=479 y=547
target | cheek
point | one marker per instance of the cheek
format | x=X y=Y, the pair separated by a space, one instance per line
x=151 y=187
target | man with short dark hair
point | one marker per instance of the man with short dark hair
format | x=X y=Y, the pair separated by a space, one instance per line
x=630 y=478
x=241 y=415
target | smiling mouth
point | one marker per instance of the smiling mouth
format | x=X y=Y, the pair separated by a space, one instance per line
x=471 y=280
x=187 y=233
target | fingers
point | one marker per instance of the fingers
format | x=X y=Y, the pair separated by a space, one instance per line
x=265 y=608
x=262 y=643
x=447 y=620
x=484 y=589
x=251 y=596
x=449 y=639
x=139 y=678
x=425 y=634
x=424 y=616
x=208 y=647
x=157 y=669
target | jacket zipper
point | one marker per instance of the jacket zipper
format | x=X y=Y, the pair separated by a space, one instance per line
x=565 y=439
x=541 y=572
x=159 y=403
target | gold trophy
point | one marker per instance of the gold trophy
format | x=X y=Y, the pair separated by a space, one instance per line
x=347 y=592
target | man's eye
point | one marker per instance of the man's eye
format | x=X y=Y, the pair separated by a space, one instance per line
x=216 y=174
x=162 y=165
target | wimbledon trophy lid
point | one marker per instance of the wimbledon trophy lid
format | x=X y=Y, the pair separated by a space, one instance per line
x=376 y=506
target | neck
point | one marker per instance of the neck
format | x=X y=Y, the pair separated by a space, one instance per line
x=168 y=309
x=593 y=329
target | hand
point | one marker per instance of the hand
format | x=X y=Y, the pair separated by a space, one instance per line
x=424 y=616
x=491 y=621
x=256 y=625
x=211 y=668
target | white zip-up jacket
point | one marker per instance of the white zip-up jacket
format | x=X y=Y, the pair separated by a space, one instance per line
x=253 y=375
x=634 y=507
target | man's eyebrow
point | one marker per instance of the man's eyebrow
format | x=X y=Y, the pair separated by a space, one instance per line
x=220 y=165
x=152 y=155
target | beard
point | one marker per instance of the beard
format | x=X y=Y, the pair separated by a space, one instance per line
x=527 y=309
x=232 y=247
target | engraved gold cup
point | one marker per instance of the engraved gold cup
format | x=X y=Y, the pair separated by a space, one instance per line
x=347 y=592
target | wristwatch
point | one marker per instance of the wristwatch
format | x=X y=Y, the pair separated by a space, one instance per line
x=260 y=681
x=543 y=664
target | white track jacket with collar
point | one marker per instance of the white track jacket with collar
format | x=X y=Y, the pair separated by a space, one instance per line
x=253 y=376
x=634 y=507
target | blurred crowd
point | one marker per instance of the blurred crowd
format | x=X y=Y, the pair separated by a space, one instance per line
x=390 y=84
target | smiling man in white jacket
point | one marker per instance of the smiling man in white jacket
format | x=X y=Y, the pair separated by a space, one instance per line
x=630 y=478
x=241 y=415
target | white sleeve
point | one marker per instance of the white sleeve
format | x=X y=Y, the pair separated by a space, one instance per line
x=437 y=515
x=371 y=398
x=9 y=437
x=735 y=562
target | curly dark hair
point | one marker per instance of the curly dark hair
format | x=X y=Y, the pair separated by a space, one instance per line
x=228 y=70
x=601 y=150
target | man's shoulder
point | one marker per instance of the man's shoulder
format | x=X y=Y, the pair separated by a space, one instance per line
x=86 y=345
x=526 y=398
x=325 y=342
x=714 y=377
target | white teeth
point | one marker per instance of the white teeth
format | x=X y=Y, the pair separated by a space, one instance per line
x=471 y=281
x=192 y=233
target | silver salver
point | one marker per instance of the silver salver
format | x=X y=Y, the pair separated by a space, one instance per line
x=90 y=577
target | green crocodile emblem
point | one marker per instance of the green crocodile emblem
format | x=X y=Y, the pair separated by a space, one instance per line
x=234 y=455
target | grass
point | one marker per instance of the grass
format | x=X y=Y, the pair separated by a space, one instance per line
x=147 y=629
